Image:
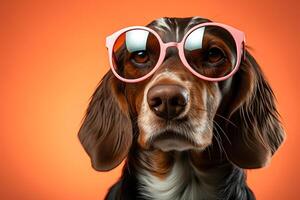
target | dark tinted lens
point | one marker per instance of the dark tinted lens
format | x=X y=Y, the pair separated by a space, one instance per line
x=211 y=51
x=135 y=53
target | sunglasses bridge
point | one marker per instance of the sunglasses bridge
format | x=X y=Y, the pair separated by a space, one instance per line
x=171 y=44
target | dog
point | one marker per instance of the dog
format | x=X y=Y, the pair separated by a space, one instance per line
x=182 y=137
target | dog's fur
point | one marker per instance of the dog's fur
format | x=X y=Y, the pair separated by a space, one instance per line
x=233 y=125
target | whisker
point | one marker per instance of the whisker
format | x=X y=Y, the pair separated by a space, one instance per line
x=217 y=136
x=222 y=131
x=223 y=146
x=228 y=120
x=208 y=150
x=218 y=115
x=223 y=149
x=211 y=146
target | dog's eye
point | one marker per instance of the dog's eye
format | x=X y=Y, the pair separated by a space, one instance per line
x=139 y=57
x=215 y=55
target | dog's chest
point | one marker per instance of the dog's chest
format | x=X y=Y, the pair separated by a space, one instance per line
x=182 y=183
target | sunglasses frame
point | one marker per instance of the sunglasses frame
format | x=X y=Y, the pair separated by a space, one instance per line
x=238 y=36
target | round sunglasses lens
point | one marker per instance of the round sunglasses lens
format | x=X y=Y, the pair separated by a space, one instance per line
x=211 y=51
x=135 y=53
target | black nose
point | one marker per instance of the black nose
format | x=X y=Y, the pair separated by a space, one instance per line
x=167 y=101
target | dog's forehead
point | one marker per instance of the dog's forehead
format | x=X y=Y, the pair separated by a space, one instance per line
x=173 y=29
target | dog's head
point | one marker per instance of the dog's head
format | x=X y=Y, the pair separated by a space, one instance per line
x=173 y=110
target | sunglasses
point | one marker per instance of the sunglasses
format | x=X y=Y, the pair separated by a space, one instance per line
x=211 y=51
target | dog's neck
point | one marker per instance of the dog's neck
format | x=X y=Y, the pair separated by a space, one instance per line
x=185 y=175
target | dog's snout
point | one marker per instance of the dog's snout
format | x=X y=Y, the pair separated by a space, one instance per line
x=167 y=100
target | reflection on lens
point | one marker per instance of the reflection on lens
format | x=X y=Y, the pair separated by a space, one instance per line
x=135 y=53
x=194 y=40
x=211 y=51
x=136 y=40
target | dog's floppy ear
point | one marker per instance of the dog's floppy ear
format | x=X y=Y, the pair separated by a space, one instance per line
x=253 y=128
x=106 y=131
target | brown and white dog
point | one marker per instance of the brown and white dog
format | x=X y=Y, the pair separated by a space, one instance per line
x=198 y=151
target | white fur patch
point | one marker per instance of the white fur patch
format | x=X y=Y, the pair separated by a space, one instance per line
x=162 y=25
x=182 y=183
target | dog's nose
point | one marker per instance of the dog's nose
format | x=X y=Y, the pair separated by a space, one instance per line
x=167 y=100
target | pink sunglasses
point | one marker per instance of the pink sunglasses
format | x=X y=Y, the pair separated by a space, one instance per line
x=211 y=51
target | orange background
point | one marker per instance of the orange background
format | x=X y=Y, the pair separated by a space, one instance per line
x=52 y=55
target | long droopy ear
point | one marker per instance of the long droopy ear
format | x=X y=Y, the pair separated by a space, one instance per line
x=254 y=130
x=106 y=131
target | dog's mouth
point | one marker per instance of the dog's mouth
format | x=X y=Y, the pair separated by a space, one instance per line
x=172 y=140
